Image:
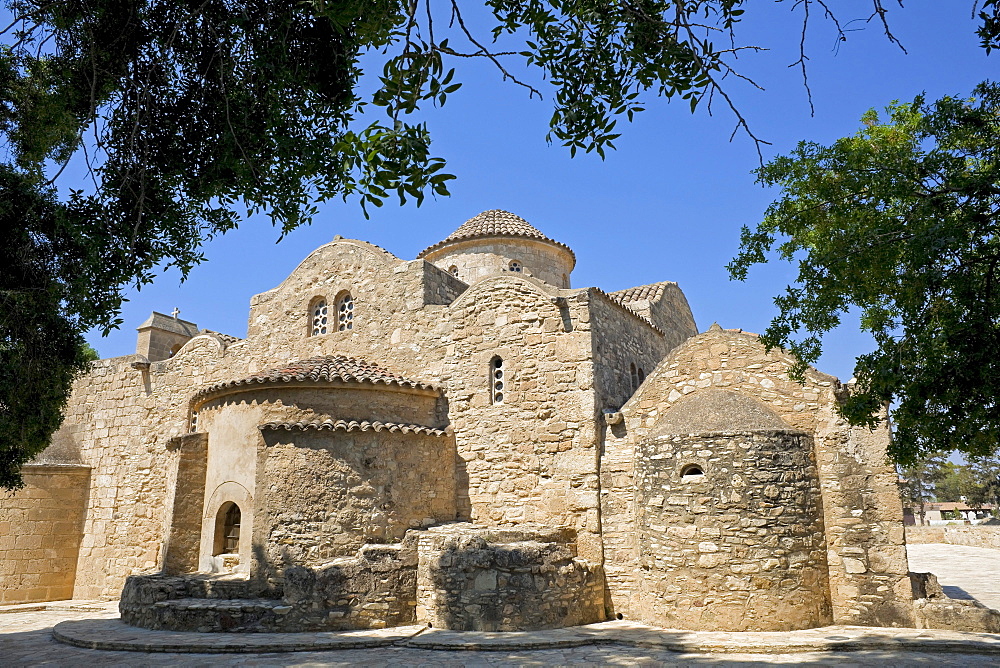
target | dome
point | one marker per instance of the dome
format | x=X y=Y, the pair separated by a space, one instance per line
x=494 y=223
x=496 y=241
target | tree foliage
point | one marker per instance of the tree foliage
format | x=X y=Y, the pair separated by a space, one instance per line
x=977 y=482
x=901 y=221
x=919 y=479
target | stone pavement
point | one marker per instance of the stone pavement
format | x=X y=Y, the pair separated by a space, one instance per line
x=26 y=638
x=963 y=572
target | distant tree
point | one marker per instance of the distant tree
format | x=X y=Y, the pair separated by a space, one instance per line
x=985 y=488
x=918 y=481
x=902 y=222
x=955 y=484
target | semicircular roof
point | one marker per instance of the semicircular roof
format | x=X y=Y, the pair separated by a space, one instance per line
x=713 y=410
x=494 y=223
x=326 y=368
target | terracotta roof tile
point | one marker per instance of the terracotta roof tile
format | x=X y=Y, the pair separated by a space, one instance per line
x=639 y=293
x=328 y=368
x=494 y=223
x=627 y=308
x=226 y=338
x=352 y=425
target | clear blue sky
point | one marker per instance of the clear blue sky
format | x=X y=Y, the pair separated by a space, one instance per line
x=667 y=205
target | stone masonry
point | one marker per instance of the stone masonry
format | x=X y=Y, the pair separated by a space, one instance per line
x=463 y=440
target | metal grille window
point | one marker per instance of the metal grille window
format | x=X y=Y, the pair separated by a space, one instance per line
x=497 y=380
x=319 y=317
x=345 y=312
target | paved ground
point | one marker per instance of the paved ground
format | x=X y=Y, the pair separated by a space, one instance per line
x=964 y=572
x=26 y=638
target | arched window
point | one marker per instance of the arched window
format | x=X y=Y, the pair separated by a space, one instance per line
x=453 y=270
x=692 y=472
x=642 y=375
x=227 y=529
x=174 y=349
x=515 y=266
x=345 y=312
x=633 y=377
x=496 y=380
x=565 y=281
x=318 y=311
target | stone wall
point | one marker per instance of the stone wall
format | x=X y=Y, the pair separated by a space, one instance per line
x=373 y=590
x=621 y=339
x=120 y=420
x=479 y=579
x=41 y=526
x=533 y=457
x=956 y=534
x=861 y=509
x=477 y=259
x=322 y=494
x=738 y=546
x=184 y=539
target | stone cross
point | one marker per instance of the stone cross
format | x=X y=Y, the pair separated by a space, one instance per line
x=175 y=312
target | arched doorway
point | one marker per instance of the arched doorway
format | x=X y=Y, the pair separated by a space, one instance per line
x=227 y=529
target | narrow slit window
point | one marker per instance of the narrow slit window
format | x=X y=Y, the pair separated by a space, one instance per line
x=642 y=376
x=633 y=377
x=320 y=313
x=497 y=380
x=345 y=312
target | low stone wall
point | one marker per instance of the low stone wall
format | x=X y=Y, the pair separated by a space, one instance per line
x=374 y=590
x=477 y=579
x=958 y=534
x=41 y=527
x=933 y=609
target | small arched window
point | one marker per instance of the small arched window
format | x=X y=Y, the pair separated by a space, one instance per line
x=453 y=270
x=496 y=380
x=642 y=375
x=633 y=377
x=227 y=529
x=515 y=266
x=692 y=472
x=345 y=312
x=318 y=313
x=175 y=349
x=565 y=281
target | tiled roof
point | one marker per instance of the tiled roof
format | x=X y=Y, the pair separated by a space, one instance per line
x=494 y=223
x=627 y=308
x=639 y=293
x=352 y=425
x=226 y=338
x=328 y=368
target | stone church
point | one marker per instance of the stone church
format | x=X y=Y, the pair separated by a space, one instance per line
x=466 y=440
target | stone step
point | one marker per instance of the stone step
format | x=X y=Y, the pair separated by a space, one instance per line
x=226 y=604
x=208 y=615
